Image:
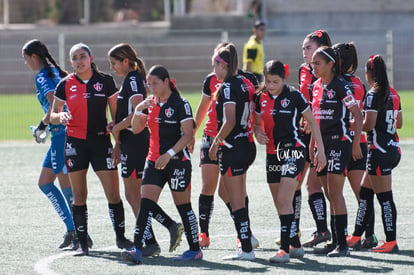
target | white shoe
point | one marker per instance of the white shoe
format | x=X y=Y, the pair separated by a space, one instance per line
x=241 y=255
x=280 y=257
x=253 y=240
x=296 y=252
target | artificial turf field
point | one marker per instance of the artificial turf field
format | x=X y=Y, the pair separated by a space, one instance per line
x=31 y=231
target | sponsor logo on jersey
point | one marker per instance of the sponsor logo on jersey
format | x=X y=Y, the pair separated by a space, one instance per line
x=73 y=88
x=133 y=84
x=169 y=112
x=98 y=86
x=285 y=102
x=187 y=109
x=263 y=103
x=349 y=101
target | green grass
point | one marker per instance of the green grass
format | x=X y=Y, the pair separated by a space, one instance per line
x=17 y=112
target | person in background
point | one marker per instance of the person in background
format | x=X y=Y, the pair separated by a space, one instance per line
x=383 y=116
x=333 y=103
x=132 y=149
x=37 y=57
x=170 y=122
x=87 y=93
x=278 y=111
x=253 y=51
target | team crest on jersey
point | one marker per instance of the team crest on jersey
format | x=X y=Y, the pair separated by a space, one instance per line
x=169 y=112
x=98 y=86
x=285 y=102
x=331 y=94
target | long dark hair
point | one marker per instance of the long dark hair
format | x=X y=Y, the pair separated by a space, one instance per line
x=376 y=67
x=162 y=73
x=273 y=67
x=347 y=57
x=228 y=54
x=39 y=48
x=122 y=51
x=88 y=50
x=320 y=37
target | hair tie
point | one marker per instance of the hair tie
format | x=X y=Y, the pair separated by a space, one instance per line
x=173 y=83
x=319 y=33
x=286 y=66
x=330 y=57
x=219 y=59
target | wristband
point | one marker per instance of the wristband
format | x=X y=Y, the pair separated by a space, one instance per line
x=41 y=125
x=171 y=152
x=137 y=113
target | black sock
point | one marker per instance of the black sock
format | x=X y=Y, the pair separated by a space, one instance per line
x=317 y=204
x=370 y=224
x=116 y=213
x=294 y=237
x=80 y=219
x=246 y=205
x=241 y=221
x=150 y=237
x=333 y=230
x=389 y=215
x=143 y=223
x=205 y=209
x=341 y=225
x=297 y=204
x=364 y=211
x=190 y=225
x=162 y=217
x=285 y=228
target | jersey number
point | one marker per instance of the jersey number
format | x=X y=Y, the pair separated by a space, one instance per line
x=244 y=122
x=390 y=119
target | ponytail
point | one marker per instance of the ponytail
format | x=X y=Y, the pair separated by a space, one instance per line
x=376 y=67
x=347 y=57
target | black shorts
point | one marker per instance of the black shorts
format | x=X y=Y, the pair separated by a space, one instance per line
x=234 y=161
x=306 y=138
x=134 y=151
x=177 y=173
x=96 y=150
x=381 y=164
x=206 y=143
x=338 y=154
x=359 y=164
x=288 y=163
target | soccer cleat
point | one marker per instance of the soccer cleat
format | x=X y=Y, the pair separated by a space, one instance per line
x=324 y=250
x=241 y=255
x=317 y=238
x=176 y=232
x=203 y=240
x=122 y=242
x=68 y=238
x=340 y=250
x=132 y=254
x=151 y=250
x=280 y=257
x=354 y=242
x=253 y=240
x=298 y=252
x=370 y=242
x=190 y=255
x=82 y=251
x=387 y=247
x=277 y=242
x=76 y=243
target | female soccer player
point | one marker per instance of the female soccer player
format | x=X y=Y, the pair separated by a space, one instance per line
x=332 y=104
x=134 y=147
x=209 y=168
x=278 y=111
x=37 y=57
x=316 y=197
x=383 y=117
x=87 y=93
x=231 y=144
x=347 y=54
x=170 y=121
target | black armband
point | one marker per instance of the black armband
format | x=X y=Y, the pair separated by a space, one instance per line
x=41 y=125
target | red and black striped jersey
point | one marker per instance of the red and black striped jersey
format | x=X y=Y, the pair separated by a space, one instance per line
x=306 y=80
x=240 y=91
x=210 y=87
x=330 y=107
x=87 y=103
x=133 y=85
x=356 y=86
x=281 y=115
x=384 y=134
x=164 y=122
